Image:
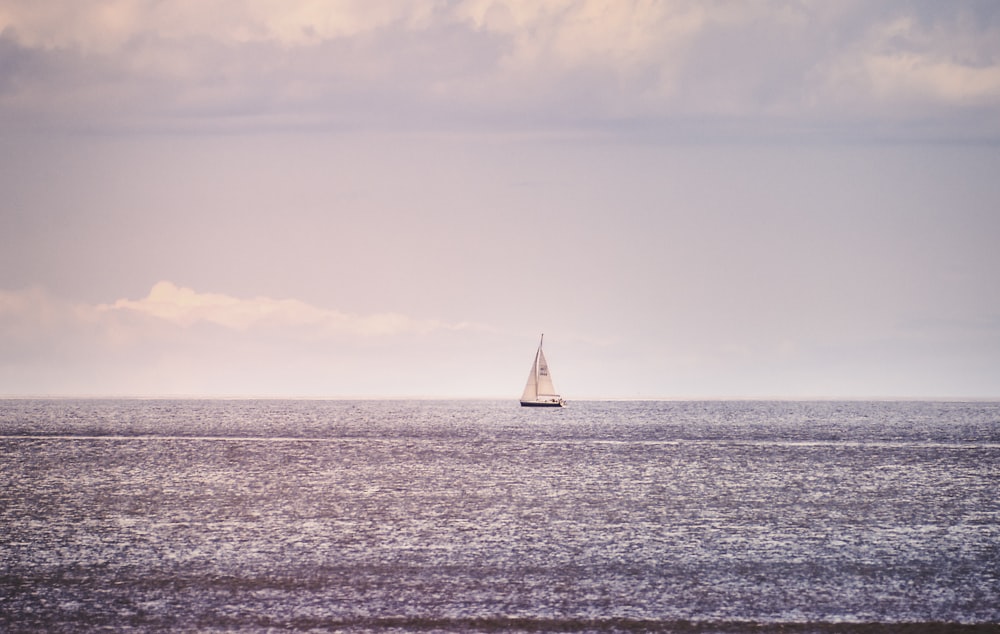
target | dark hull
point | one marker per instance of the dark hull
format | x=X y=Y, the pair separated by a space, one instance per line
x=541 y=404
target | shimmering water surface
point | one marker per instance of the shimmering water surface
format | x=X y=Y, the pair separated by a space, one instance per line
x=479 y=515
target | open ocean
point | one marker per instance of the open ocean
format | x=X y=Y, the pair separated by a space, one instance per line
x=417 y=516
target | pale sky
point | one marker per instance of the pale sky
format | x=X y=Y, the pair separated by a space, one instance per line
x=368 y=198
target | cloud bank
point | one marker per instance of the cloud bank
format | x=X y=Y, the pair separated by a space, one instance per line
x=185 y=307
x=179 y=341
x=34 y=312
x=34 y=321
x=149 y=64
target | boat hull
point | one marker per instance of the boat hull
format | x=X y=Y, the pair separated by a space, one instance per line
x=541 y=403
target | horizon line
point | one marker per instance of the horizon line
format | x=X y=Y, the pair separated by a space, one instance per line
x=408 y=397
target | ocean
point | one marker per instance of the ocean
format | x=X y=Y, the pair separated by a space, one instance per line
x=437 y=516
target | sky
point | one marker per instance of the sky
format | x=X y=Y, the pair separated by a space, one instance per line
x=326 y=199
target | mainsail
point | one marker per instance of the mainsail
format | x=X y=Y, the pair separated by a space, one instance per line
x=539 y=389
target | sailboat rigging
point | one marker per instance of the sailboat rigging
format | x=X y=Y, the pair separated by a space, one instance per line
x=539 y=391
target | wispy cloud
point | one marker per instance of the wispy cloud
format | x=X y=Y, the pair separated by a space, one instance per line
x=185 y=307
x=177 y=340
x=34 y=312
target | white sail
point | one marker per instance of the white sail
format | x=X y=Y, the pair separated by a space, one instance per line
x=545 y=387
x=539 y=388
x=531 y=388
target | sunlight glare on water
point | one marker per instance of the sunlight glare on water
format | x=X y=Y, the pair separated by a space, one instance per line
x=417 y=515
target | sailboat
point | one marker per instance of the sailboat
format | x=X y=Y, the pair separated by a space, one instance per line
x=539 y=391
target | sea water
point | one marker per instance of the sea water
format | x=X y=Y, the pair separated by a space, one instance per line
x=222 y=515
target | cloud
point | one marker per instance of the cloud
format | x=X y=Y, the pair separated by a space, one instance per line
x=180 y=341
x=905 y=61
x=298 y=62
x=33 y=315
x=104 y=26
x=185 y=307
